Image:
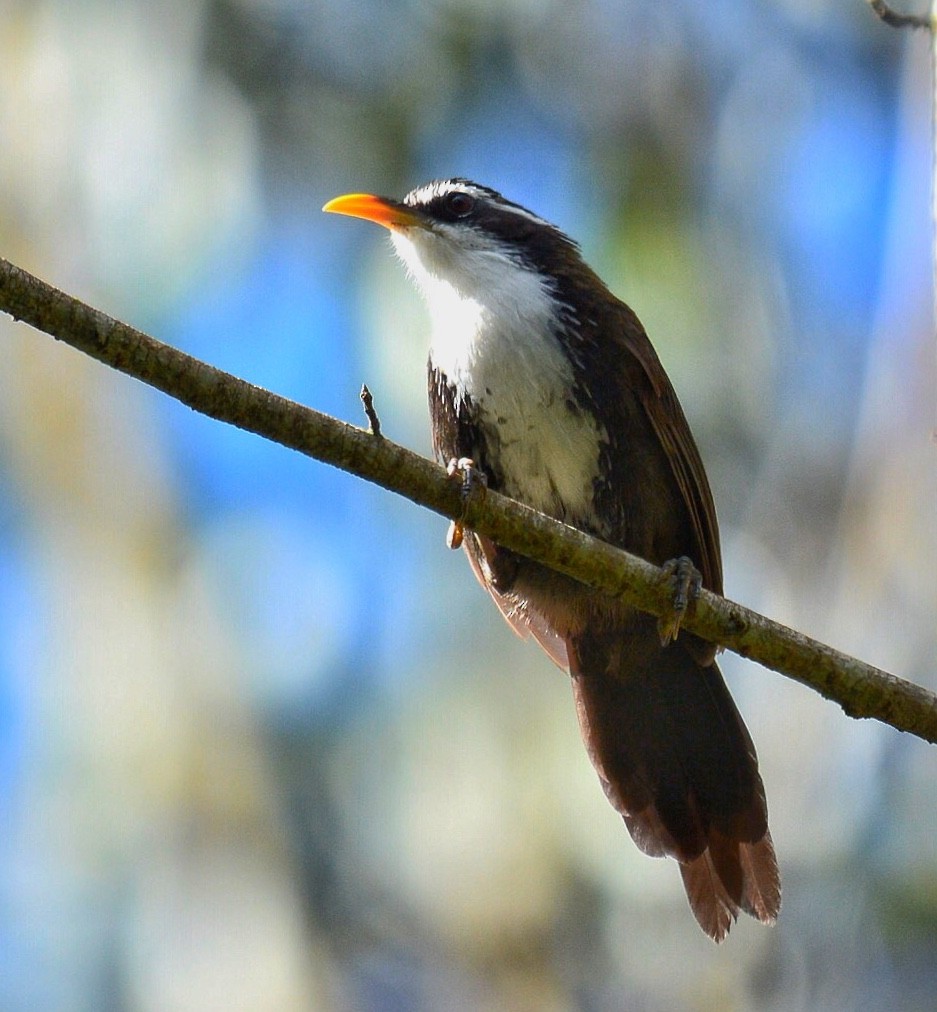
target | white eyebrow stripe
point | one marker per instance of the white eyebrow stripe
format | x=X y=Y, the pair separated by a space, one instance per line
x=440 y=187
x=522 y=212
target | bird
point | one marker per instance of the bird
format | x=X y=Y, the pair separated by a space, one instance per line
x=547 y=386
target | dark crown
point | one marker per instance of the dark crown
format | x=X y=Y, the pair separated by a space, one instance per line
x=452 y=201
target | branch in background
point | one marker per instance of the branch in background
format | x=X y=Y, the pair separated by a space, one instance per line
x=861 y=690
x=897 y=20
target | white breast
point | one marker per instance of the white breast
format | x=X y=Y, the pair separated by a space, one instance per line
x=493 y=339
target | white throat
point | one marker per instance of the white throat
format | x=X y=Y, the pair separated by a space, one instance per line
x=488 y=313
x=493 y=336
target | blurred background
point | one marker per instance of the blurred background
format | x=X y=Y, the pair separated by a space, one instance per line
x=264 y=744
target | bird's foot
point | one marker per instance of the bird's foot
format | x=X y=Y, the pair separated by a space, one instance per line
x=473 y=482
x=685 y=581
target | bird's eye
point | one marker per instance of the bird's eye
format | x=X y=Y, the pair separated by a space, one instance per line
x=460 y=204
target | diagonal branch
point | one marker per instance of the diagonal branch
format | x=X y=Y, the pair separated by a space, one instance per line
x=860 y=689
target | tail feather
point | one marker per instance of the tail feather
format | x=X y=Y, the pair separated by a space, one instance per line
x=730 y=876
x=676 y=760
x=762 y=897
x=712 y=902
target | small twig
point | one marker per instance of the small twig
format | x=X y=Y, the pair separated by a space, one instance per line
x=896 y=20
x=374 y=423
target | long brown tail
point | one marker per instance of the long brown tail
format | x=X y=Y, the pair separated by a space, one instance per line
x=677 y=762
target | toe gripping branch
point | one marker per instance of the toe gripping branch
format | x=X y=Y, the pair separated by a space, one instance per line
x=684 y=581
x=472 y=482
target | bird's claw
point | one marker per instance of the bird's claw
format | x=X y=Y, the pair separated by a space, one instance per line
x=685 y=581
x=473 y=482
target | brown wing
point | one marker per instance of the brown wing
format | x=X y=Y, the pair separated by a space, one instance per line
x=672 y=429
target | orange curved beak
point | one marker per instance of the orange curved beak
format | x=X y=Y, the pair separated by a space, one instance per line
x=382 y=210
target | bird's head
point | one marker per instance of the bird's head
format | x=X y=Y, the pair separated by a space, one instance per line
x=465 y=236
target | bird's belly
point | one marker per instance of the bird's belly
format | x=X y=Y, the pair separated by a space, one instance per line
x=547 y=453
x=512 y=371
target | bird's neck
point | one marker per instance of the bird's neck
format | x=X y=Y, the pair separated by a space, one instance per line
x=497 y=341
x=493 y=319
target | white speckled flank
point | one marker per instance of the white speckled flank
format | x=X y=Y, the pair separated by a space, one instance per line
x=493 y=338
